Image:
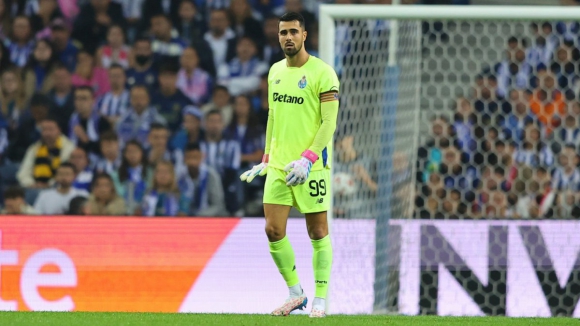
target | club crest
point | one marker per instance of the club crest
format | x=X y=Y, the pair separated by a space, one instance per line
x=302 y=83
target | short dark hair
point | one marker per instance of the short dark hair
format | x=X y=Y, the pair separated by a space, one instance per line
x=169 y=68
x=157 y=126
x=292 y=16
x=192 y=147
x=39 y=99
x=213 y=112
x=116 y=66
x=142 y=39
x=99 y=176
x=220 y=88
x=85 y=88
x=109 y=135
x=143 y=86
x=68 y=165
x=13 y=193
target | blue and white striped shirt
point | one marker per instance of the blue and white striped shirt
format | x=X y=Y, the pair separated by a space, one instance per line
x=110 y=105
x=222 y=155
x=564 y=181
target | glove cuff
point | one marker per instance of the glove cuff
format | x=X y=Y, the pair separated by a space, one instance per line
x=310 y=155
x=265 y=158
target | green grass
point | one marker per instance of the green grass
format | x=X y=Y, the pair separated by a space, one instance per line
x=150 y=319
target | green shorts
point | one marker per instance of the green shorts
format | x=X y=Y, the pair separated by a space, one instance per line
x=313 y=196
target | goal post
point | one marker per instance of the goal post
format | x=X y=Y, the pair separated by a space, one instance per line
x=393 y=80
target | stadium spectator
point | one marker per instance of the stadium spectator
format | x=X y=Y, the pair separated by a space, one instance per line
x=220 y=101
x=115 y=102
x=191 y=25
x=78 y=206
x=158 y=148
x=354 y=167
x=4 y=57
x=190 y=131
x=38 y=72
x=143 y=71
x=133 y=177
x=542 y=50
x=87 y=73
x=48 y=11
x=21 y=42
x=272 y=52
x=201 y=187
x=169 y=100
x=245 y=130
x=464 y=123
x=61 y=96
x=5 y=19
x=244 y=21
x=55 y=201
x=14 y=203
x=80 y=159
x=224 y=155
x=94 y=19
x=169 y=8
x=86 y=124
x=44 y=156
x=566 y=176
x=192 y=80
x=110 y=159
x=137 y=121
x=515 y=122
x=564 y=68
x=28 y=130
x=165 y=46
x=163 y=199
x=242 y=74
x=490 y=108
x=132 y=10
x=547 y=101
x=12 y=97
x=66 y=48
x=220 y=37
x=115 y=51
x=103 y=199
x=533 y=152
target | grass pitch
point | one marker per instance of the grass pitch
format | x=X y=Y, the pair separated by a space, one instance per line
x=150 y=319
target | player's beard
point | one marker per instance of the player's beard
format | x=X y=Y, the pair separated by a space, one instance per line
x=290 y=52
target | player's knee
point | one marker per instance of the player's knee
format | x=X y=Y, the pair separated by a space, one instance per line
x=317 y=232
x=274 y=233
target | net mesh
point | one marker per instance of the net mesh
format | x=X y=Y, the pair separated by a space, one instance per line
x=476 y=120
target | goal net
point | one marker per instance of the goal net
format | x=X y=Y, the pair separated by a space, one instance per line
x=457 y=134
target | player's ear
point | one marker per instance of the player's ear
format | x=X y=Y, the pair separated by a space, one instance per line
x=304 y=35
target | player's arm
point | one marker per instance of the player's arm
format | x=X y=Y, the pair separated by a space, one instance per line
x=328 y=94
x=329 y=113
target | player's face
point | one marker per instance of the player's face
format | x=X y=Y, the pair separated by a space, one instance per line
x=291 y=36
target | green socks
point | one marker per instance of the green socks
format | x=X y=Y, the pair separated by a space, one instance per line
x=283 y=256
x=322 y=263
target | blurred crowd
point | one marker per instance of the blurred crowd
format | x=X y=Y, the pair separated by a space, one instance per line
x=510 y=149
x=136 y=107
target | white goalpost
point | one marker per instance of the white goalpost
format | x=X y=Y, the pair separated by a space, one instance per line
x=399 y=66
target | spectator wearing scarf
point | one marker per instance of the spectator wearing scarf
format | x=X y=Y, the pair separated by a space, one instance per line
x=85 y=125
x=163 y=198
x=200 y=187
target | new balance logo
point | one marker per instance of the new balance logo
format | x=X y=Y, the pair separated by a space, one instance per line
x=320 y=282
x=320 y=201
x=277 y=81
x=294 y=268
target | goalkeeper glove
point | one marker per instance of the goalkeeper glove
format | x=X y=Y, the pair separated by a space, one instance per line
x=259 y=169
x=300 y=169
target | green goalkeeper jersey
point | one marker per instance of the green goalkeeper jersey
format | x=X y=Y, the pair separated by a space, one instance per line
x=295 y=97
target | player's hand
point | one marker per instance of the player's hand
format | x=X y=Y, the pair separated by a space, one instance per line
x=260 y=169
x=300 y=169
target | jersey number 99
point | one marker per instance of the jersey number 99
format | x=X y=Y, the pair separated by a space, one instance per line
x=318 y=188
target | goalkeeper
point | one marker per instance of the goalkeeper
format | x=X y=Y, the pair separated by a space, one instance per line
x=303 y=105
